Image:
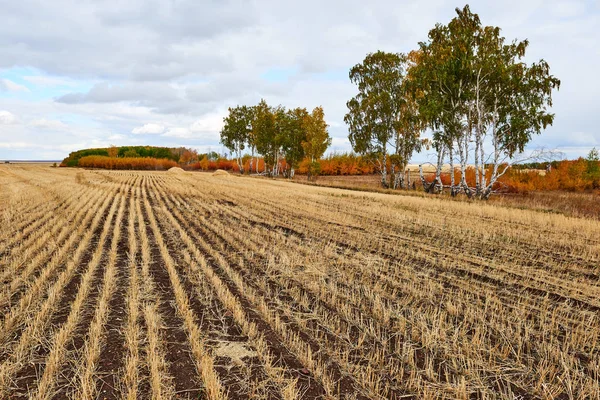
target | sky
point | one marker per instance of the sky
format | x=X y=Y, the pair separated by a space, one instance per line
x=80 y=74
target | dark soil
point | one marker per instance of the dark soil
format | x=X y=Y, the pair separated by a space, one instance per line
x=178 y=352
x=26 y=378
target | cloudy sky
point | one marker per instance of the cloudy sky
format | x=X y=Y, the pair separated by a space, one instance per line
x=77 y=74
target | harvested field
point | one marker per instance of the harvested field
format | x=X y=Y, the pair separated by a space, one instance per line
x=573 y=204
x=153 y=285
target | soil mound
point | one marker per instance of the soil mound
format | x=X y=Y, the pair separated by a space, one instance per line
x=220 y=172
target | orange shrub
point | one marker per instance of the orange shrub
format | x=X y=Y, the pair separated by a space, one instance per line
x=336 y=164
x=341 y=164
x=260 y=161
x=136 y=163
x=569 y=175
x=208 y=165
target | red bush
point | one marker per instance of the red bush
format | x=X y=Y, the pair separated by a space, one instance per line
x=569 y=175
x=132 y=163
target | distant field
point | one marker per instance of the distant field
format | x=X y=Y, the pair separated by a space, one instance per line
x=161 y=285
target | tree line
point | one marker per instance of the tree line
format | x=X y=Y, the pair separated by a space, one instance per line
x=282 y=137
x=181 y=155
x=469 y=87
x=578 y=175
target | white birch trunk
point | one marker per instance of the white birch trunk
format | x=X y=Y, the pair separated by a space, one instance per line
x=438 y=170
x=463 y=151
x=423 y=180
x=488 y=189
x=384 y=171
x=452 y=185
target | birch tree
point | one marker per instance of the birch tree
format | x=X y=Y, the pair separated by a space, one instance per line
x=250 y=113
x=289 y=135
x=266 y=135
x=316 y=140
x=518 y=99
x=407 y=136
x=375 y=113
x=511 y=100
x=236 y=132
x=475 y=89
x=293 y=136
x=442 y=74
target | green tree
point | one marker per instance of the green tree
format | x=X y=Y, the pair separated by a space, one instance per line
x=212 y=155
x=593 y=167
x=407 y=136
x=374 y=114
x=316 y=140
x=131 y=153
x=474 y=88
x=292 y=136
x=441 y=79
x=593 y=157
x=266 y=134
x=511 y=101
x=236 y=132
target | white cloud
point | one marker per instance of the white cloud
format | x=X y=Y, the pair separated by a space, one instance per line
x=49 y=81
x=179 y=132
x=10 y=86
x=116 y=137
x=208 y=123
x=40 y=146
x=179 y=65
x=49 y=124
x=204 y=129
x=7 y=118
x=16 y=145
x=567 y=9
x=152 y=129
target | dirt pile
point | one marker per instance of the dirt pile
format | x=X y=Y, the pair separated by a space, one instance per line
x=220 y=172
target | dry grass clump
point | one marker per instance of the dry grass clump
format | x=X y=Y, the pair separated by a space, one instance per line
x=250 y=288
